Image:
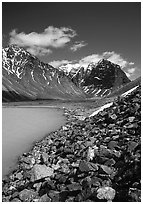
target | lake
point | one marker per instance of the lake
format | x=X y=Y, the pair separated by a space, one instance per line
x=23 y=126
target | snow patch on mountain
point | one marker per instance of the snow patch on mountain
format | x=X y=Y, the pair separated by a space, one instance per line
x=26 y=76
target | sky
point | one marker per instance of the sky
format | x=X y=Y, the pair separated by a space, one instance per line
x=76 y=33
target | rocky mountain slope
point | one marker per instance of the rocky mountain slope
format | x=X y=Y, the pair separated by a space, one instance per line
x=99 y=79
x=126 y=87
x=25 y=77
x=95 y=160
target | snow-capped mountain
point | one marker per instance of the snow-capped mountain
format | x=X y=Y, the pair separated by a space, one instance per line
x=25 y=77
x=98 y=79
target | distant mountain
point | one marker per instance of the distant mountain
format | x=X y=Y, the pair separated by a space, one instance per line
x=25 y=77
x=98 y=79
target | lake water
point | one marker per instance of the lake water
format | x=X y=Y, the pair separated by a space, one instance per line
x=23 y=126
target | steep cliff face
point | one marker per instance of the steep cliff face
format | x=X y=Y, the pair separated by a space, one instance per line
x=99 y=79
x=25 y=77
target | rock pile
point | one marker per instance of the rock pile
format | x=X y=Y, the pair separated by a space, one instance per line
x=97 y=159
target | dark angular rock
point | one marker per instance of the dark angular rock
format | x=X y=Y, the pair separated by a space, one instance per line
x=37 y=186
x=86 y=182
x=54 y=195
x=104 y=151
x=112 y=144
x=132 y=145
x=135 y=195
x=87 y=166
x=110 y=162
x=6 y=198
x=27 y=195
x=15 y=194
x=74 y=187
x=86 y=193
x=96 y=182
x=107 y=170
x=45 y=158
x=64 y=169
x=116 y=153
x=15 y=200
x=79 y=198
x=68 y=150
x=70 y=199
x=62 y=179
x=44 y=198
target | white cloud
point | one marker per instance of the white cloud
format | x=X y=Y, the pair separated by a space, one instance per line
x=115 y=58
x=59 y=63
x=78 y=45
x=65 y=65
x=111 y=56
x=40 y=51
x=94 y=58
x=131 y=70
x=131 y=63
x=50 y=37
x=89 y=59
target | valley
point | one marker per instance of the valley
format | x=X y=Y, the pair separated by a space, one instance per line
x=82 y=160
x=71 y=102
x=25 y=77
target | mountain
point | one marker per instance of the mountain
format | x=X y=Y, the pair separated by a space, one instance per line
x=26 y=78
x=127 y=87
x=98 y=79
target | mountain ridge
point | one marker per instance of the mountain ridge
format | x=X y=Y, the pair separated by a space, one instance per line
x=26 y=75
x=99 y=79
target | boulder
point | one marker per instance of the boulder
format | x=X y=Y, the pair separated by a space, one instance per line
x=42 y=171
x=27 y=195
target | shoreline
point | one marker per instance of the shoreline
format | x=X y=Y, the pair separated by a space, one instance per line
x=80 y=161
x=32 y=144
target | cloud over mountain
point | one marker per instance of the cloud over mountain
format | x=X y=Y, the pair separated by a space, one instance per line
x=111 y=56
x=77 y=45
x=94 y=58
x=42 y=44
x=58 y=63
x=39 y=43
x=39 y=51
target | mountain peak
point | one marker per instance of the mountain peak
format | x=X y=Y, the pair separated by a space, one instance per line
x=24 y=75
x=104 y=61
x=13 y=47
x=101 y=78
